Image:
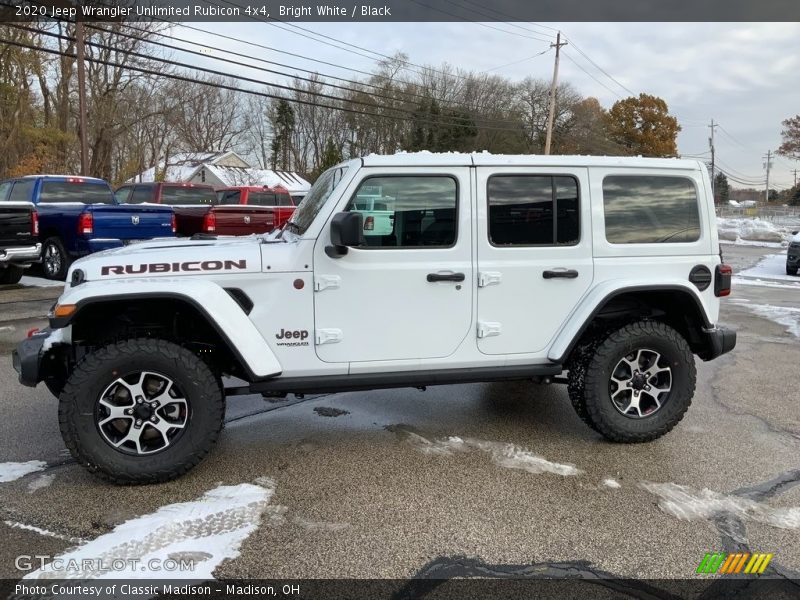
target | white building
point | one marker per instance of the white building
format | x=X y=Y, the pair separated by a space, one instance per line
x=221 y=170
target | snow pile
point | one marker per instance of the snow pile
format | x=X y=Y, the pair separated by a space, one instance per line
x=749 y=230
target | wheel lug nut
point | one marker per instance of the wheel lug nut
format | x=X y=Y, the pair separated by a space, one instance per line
x=154 y=419
x=128 y=411
x=139 y=399
x=138 y=423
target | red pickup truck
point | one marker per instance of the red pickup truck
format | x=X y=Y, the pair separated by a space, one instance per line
x=196 y=208
x=276 y=198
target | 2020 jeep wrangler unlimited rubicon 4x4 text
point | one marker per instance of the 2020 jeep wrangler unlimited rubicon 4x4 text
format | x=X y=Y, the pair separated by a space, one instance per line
x=484 y=268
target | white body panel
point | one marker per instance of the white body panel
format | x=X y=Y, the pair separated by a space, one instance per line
x=372 y=310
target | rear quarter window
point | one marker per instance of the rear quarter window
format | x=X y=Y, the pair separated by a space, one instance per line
x=650 y=209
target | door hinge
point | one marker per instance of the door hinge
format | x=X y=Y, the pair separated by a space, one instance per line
x=328 y=336
x=324 y=282
x=489 y=329
x=487 y=278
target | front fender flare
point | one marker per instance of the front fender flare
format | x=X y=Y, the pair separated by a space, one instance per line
x=208 y=298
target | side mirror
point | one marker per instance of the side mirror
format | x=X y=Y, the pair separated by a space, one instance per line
x=795 y=232
x=347 y=230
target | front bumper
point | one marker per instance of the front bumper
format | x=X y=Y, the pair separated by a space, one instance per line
x=27 y=358
x=22 y=256
x=720 y=340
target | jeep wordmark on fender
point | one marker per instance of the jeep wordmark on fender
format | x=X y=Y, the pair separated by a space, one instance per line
x=602 y=273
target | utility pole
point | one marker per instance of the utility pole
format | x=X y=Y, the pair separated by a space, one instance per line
x=795 y=176
x=768 y=166
x=551 y=115
x=79 y=54
x=713 y=126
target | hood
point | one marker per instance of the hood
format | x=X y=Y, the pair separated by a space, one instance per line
x=172 y=257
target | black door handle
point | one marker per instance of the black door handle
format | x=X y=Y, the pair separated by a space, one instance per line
x=565 y=274
x=432 y=277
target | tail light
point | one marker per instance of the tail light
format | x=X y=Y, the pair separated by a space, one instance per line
x=34 y=223
x=174 y=224
x=722 y=281
x=210 y=222
x=369 y=223
x=85 y=224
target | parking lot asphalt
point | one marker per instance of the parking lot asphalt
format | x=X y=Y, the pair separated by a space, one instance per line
x=464 y=478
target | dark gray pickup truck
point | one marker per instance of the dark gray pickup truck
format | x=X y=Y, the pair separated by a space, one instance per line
x=19 y=239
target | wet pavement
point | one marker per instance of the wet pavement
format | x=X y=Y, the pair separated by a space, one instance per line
x=458 y=480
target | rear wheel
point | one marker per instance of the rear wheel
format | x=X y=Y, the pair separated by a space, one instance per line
x=639 y=383
x=141 y=411
x=11 y=274
x=55 y=259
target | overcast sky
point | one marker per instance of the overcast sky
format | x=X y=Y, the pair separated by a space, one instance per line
x=744 y=76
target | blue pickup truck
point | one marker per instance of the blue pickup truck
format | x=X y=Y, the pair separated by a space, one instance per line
x=79 y=215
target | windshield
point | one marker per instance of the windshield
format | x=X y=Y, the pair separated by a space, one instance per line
x=188 y=195
x=311 y=205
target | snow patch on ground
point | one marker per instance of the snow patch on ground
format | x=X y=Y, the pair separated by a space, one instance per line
x=44 y=532
x=688 y=504
x=772 y=266
x=750 y=232
x=788 y=317
x=770 y=284
x=211 y=528
x=29 y=281
x=42 y=481
x=503 y=454
x=14 y=470
x=611 y=483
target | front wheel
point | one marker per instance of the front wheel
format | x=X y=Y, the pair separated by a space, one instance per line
x=141 y=411
x=639 y=383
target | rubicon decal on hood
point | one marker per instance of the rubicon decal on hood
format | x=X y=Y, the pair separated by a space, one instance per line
x=175 y=267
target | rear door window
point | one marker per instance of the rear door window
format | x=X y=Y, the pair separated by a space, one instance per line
x=533 y=210
x=650 y=209
x=180 y=195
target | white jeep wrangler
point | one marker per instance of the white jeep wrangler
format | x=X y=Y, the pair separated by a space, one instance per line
x=495 y=268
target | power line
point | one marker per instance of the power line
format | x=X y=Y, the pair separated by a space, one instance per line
x=282 y=73
x=540 y=39
x=237 y=78
x=516 y=62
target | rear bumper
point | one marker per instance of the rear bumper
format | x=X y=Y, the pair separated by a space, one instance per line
x=720 y=340
x=27 y=358
x=22 y=256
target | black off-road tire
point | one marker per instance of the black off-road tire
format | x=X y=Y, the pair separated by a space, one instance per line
x=609 y=421
x=576 y=378
x=99 y=369
x=55 y=245
x=791 y=270
x=11 y=274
